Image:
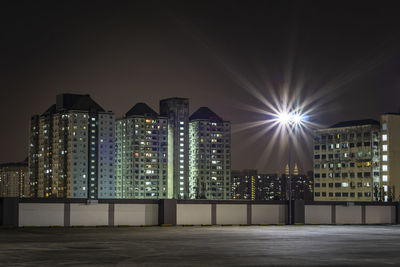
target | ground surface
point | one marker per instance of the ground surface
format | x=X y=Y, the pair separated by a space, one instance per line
x=202 y=246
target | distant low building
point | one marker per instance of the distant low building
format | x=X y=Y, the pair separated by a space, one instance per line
x=14 y=179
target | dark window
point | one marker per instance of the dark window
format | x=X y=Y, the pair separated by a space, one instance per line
x=352 y=194
x=324 y=194
x=367 y=194
x=323 y=156
x=330 y=194
x=330 y=156
x=316 y=184
x=317 y=175
x=352 y=175
x=359 y=194
x=351 y=144
x=323 y=184
x=317 y=194
x=337 y=184
x=330 y=184
x=351 y=164
x=324 y=175
x=367 y=174
x=316 y=157
x=337 y=194
x=344 y=174
x=359 y=174
x=345 y=194
x=316 y=147
x=367 y=143
x=337 y=175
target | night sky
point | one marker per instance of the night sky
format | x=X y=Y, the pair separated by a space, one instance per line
x=345 y=56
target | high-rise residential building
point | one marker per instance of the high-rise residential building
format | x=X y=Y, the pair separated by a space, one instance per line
x=14 y=179
x=176 y=110
x=347 y=161
x=141 y=140
x=72 y=150
x=210 y=156
x=390 y=158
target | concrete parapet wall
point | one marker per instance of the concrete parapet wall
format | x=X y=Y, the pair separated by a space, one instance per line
x=79 y=212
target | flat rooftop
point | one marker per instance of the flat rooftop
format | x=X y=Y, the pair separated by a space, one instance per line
x=202 y=246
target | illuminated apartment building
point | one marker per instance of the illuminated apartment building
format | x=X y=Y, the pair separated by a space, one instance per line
x=248 y=184
x=243 y=184
x=346 y=161
x=14 y=179
x=390 y=157
x=141 y=154
x=176 y=110
x=72 y=150
x=210 y=155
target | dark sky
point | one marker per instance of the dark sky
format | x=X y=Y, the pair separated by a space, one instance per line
x=344 y=54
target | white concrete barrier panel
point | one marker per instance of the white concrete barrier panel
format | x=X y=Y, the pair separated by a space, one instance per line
x=268 y=214
x=231 y=214
x=193 y=214
x=348 y=215
x=136 y=214
x=41 y=214
x=318 y=214
x=380 y=214
x=89 y=215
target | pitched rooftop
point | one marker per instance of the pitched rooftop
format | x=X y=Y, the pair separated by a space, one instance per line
x=355 y=123
x=141 y=109
x=204 y=113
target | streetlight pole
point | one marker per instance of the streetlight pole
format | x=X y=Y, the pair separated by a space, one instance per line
x=289 y=178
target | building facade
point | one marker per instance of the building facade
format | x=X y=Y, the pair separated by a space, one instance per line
x=14 y=179
x=72 y=153
x=141 y=138
x=390 y=158
x=176 y=110
x=210 y=156
x=347 y=161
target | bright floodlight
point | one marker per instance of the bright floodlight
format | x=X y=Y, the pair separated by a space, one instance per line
x=296 y=118
x=284 y=118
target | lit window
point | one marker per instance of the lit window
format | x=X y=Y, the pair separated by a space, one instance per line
x=181 y=188
x=384 y=148
x=181 y=139
x=384 y=178
x=181 y=134
x=385 y=188
x=384 y=168
x=84 y=188
x=181 y=123
x=181 y=128
x=345 y=184
x=384 y=126
x=385 y=158
x=384 y=137
x=337 y=145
